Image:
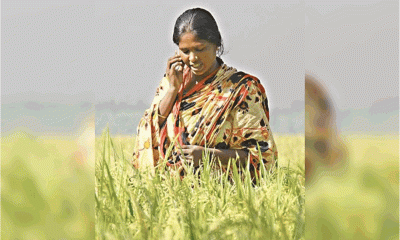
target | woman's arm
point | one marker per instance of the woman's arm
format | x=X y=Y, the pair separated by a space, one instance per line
x=225 y=154
x=174 y=73
x=166 y=104
x=194 y=153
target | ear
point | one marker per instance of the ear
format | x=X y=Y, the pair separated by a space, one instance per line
x=216 y=49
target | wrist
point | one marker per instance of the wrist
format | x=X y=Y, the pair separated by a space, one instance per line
x=173 y=90
x=208 y=150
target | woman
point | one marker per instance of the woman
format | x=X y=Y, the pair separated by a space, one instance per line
x=201 y=102
x=324 y=146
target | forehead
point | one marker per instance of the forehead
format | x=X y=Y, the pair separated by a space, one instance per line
x=188 y=40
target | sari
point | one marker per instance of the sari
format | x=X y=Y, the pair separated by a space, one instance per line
x=226 y=110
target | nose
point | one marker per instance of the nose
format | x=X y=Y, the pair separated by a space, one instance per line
x=192 y=57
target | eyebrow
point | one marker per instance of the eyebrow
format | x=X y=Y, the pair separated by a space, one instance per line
x=200 y=46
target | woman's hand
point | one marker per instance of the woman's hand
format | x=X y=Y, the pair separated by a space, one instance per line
x=193 y=153
x=175 y=72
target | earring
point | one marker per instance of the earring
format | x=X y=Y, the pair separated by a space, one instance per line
x=196 y=57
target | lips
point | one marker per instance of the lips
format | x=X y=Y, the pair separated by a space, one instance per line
x=196 y=66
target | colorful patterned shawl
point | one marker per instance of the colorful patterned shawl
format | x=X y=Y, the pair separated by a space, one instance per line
x=226 y=110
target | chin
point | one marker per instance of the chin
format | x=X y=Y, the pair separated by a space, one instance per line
x=201 y=73
x=198 y=73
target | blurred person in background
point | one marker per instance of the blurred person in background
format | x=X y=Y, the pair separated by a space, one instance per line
x=351 y=181
x=324 y=148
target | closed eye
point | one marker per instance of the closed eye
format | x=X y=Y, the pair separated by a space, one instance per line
x=186 y=51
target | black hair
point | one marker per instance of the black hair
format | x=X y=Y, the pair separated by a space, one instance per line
x=202 y=24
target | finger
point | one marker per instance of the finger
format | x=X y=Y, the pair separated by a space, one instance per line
x=188 y=160
x=180 y=151
x=170 y=67
x=185 y=156
x=177 y=66
x=174 y=66
x=172 y=61
x=174 y=58
x=185 y=151
x=176 y=63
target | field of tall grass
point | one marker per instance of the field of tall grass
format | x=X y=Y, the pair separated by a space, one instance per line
x=48 y=192
x=132 y=204
x=47 y=188
x=360 y=201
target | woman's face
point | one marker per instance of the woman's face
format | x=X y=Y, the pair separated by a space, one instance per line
x=199 y=55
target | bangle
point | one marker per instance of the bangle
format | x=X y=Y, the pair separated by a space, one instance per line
x=159 y=115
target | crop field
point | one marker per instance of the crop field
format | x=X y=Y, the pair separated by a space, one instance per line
x=360 y=201
x=49 y=190
x=132 y=204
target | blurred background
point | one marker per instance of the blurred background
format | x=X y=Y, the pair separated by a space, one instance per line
x=47 y=124
x=71 y=68
x=352 y=46
x=352 y=119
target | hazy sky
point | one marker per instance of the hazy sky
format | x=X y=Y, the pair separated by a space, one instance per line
x=353 y=47
x=118 y=50
x=69 y=51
